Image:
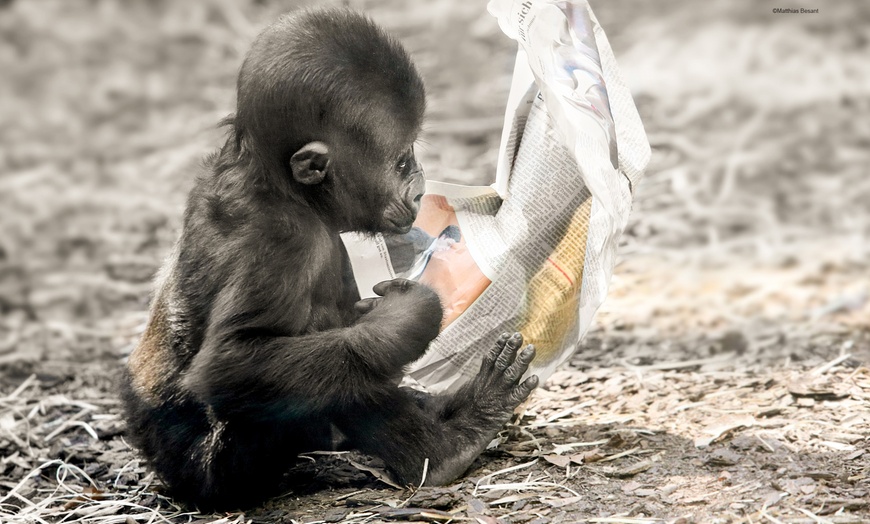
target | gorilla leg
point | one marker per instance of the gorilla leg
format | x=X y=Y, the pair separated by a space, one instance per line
x=448 y=431
x=218 y=465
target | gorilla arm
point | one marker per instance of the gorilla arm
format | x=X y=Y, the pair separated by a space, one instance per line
x=250 y=366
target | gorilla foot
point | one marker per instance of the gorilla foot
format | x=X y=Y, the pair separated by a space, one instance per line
x=481 y=408
x=497 y=388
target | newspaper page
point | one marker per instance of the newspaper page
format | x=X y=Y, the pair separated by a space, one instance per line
x=534 y=252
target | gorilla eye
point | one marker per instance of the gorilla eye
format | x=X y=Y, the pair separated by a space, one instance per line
x=401 y=164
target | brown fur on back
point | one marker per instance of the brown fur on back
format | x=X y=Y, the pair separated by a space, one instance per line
x=150 y=362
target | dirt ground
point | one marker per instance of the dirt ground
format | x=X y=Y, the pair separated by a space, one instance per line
x=726 y=379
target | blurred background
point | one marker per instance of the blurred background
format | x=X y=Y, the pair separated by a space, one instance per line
x=755 y=209
x=746 y=261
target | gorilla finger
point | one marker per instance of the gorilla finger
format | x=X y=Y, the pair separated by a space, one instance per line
x=515 y=340
x=520 y=365
x=402 y=284
x=381 y=287
x=365 y=305
x=495 y=351
x=508 y=353
x=522 y=392
x=397 y=284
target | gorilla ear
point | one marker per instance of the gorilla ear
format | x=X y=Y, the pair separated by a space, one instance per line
x=309 y=164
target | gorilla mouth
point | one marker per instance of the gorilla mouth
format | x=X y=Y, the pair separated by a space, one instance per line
x=398 y=218
x=399 y=227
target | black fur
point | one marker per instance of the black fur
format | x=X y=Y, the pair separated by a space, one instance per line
x=257 y=345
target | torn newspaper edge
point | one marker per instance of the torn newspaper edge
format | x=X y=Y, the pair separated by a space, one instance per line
x=533 y=253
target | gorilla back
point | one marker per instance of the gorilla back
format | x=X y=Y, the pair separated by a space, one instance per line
x=257 y=344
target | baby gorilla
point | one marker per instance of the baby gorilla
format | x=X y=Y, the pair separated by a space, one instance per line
x=258 y=346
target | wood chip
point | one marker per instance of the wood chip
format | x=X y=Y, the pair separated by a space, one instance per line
x=818 y=388
x=722 y=426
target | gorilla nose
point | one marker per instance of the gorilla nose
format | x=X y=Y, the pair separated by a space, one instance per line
x=415 y=204
x=416 y=189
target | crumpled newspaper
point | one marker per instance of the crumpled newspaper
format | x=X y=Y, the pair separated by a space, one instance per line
x=533 y=253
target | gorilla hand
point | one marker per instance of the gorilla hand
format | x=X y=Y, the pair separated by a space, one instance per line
x=406 y=314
